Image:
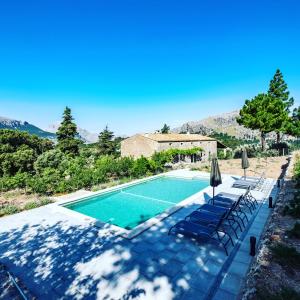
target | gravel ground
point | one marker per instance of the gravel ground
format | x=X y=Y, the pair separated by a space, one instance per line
x=266 y=276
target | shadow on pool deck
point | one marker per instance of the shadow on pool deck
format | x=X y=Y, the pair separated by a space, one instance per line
x=63 y=260
x=66 y=261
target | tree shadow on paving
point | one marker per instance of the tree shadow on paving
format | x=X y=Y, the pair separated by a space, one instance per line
x=62 y=261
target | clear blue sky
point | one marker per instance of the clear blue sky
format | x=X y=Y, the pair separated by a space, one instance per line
x=137 y=64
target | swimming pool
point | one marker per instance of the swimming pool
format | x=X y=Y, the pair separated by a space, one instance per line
x=130 y=206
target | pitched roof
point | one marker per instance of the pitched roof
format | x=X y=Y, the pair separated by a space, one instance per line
x=176 y=137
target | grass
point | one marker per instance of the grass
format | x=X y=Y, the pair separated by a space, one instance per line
x=286 y=256
x=13 y=209
x=295 y=231
x=286 y=293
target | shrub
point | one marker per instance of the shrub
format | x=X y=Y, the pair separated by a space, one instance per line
x=227 y=155
x=295 y=231
x=45 y=201
x=281 y=148
x=8 y=210
x=159 y=160
x=293 y=208
x=285 y=293
x=11 y=183
x=31 y=205
x=54 y=159
x=35 y=204
x=124 y=166
x=286 y=256
x=141 y=167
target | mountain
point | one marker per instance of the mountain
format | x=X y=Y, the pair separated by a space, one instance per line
x=6 y=123
x=84 y=135
x=223 y=123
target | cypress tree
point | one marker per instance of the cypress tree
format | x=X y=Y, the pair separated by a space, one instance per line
x=66 y=134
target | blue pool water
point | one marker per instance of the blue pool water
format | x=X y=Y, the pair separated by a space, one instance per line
x=135 y=204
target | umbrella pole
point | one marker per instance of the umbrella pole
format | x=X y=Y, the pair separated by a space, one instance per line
x=245 y=174
x=213 y=195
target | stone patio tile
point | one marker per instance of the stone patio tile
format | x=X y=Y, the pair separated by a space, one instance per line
x=223 y=295
x=231 y=283
x=140 y=247
x=184 y=255
x=176 y=246
x=192 y=267
x=212 y=267
x=238 y=268
x=193 y=294
x=150 y=271
x=202 y=281
x=158 y=247
x=172 y=268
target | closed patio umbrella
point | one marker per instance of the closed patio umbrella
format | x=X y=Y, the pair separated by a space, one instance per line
x=215 y=175
x=245 y=161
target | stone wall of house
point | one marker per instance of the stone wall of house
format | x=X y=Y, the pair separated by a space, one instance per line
x=137 y=145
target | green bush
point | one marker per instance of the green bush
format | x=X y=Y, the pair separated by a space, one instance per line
x=285 y=293
x=286 y=256
x=14 y=182
x=295 y=231
x=54 y=159
x=8 y=210
x=19 y=151
x=293 y=207
x=124 y=166
x=227 y=155
x=31 y=205
x=141 y=167
x=37 y=203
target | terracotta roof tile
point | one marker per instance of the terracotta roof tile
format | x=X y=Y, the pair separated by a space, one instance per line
x=176 y=137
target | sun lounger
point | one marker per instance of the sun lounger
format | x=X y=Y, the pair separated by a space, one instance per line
x=227 y=209
x=248 y=200
x=211 y=231
x=250 y=182
x=247 y=184
x=204 y=217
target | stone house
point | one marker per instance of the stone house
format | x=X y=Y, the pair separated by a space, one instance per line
x=149 y=143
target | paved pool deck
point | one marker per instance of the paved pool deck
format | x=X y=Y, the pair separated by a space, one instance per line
x=58 y=256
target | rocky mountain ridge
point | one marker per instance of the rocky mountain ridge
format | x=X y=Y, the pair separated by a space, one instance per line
x=6 y=123
x=223 y=123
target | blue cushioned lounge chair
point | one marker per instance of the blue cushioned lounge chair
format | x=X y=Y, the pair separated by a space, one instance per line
x=211 y=231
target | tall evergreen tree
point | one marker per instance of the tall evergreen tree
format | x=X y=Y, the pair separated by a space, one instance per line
x=66 y=134
x=106 y=143
x=261 y=113
x=278 y=90
x=165 y=129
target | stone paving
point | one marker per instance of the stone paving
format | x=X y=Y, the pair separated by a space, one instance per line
x=57 y=256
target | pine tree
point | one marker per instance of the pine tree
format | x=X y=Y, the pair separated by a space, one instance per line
x=261 y=113
x=278 y=90
x=293 y=127
x=66 y=134
x=165 y=129
x=106 y=143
